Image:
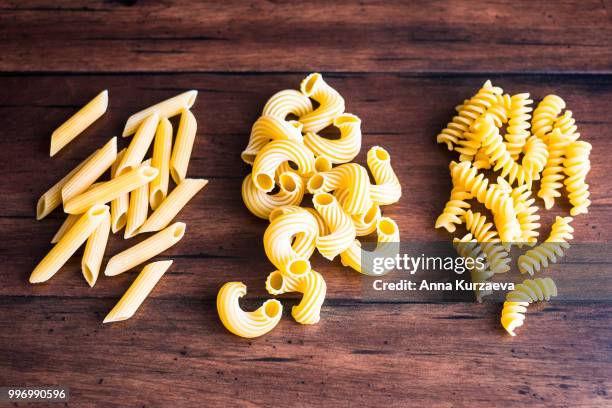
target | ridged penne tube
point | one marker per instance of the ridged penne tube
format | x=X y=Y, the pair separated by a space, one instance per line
x=111 y=190
x=138 y=291
x=145 y=250
x=138 y=209
x=183 y=145
x=290 y=236
x=69 y=243
x=387 y=189
x=341 y=150
x=173 y=204
x=266 y=129
x=97 y=165
x=137 y=150
x=274 y=154
x=165 y=109
x=94 y=251
x=342 y=230
x=287 y=102
x=162 y=149
x=79 y=122
x=66 y=225
x=246 y=324
x=119 y=206
x=291 y=192
x=388 y=247
x=331 y=104
x=313 y=288
x=350 y=176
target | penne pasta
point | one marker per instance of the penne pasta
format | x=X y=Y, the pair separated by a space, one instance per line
x=145 y=250
x=94 y=251
x=139 y=146
x=69 y=243
x=165 y=109
x=138 y=291
x=183 y=145
x=101 y=161
x=138 y=209
x=162 y=148
x=172 y=205
x=78 y=122
x=119 y=206
x=110 y=190
x=66 y=225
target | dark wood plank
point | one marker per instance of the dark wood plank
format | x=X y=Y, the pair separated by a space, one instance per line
x=406 y=36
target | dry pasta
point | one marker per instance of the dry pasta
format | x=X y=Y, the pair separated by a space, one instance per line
x=261 y=204
x=119 y=206
x=139 y=145
x=331 y=104
x=287 y=102
x=94 y=251
x=341 y=227
x=138 y=208
x=162 y=148
x=551 y=249
x=266 y=129
x=183 y=145
x=387 y=189
x=515 y=306
x=350 y=176
x=341 y=150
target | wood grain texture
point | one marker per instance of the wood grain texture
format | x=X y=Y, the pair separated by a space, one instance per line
x=401 y=36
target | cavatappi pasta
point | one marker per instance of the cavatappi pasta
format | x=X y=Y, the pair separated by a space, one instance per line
x=94 y=251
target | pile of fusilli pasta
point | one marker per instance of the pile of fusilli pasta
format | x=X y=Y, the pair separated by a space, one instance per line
x=289 y=156
x=545 y=147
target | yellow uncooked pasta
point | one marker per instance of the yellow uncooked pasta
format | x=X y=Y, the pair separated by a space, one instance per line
x=78 y=122
x=94 y=251
x=136 y=151
x=467 y=247
x=341 y=150
x=138 y=291
x=365 y=223
x=350 y=176
x=551 y=249
x=111 y=190
x=515 y=306
x=291 y=191
x=313 y=288
x=552 y=175
x=331 y=104
x=145 y=250
x=246 y=324
x=576 y=167
x=165 y=109
x=69 y=243
x=287 y=102
x=453 y=210
x=162 y=148
x=266 y=129
x=526 y=214
x=183 y=145
x=173 y=204
x=342 y=231
x=387 y=189
x=66 y=225
x=545 y=115
x=518 y=127
x=97 y=165
x=486 y=236
x=138 y=209
x=119 y=206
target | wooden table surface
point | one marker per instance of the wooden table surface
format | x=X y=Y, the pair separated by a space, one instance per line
x=402 y=67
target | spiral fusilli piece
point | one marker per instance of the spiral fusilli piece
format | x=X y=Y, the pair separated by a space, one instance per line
x=576 y=167
x=551 y=249
x=515 y=306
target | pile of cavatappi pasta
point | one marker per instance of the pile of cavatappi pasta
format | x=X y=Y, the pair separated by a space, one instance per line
x=289 y=158
x=545 y=147
x=135 y=184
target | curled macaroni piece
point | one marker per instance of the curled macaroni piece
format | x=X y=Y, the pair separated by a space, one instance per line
x=287 y=102
x=342 y=230
x=545 y=114
x=517 y=130
x=515 y=306
x=552 y=175
x=576 y=167
x=274 y=154
x=246 y=324
x=365 y=223
x=388 y=189
x=388 y=247
x=331 y=103
x=268 y=128
x=341 y=150
x=323 y=228
x=454 y=209
x=468 y=247
x=291 y=192
x=350 y=176
x=551 y=249
x=497 y=258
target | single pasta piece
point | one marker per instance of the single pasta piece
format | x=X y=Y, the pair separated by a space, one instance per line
x=172 y=205
x=350 y=176
x=515 y=306
x=552 y=175
x=387 y=189
x=341 y=150
x=69 y=243
x=136 y=151
x=119 y=206
x=78 y=122
x=567 y=126
x=266 y=129
x=365 y=223
x=111 y=190
x=246 y=324
x=138 y=209
x=94 y=251
x=331 y=104
x=576 y=167
x=535 y=158
x=526 y=213
x=518 y=127
x=545 y=115
x=388 y=247
x=165 y=109
x=66 y=225
x=342 y=231
x=183 y=145
x=260 y=204
x=162 y=148
x=138 y=291
x=453 y=210
x=476 y=134
x=287 y=102
x=468 y=247
x=486 y=236
x=547 y=252
x=97 y=165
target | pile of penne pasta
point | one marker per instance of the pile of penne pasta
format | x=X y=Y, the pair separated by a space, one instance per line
x=95 y=207
x=289 y=158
